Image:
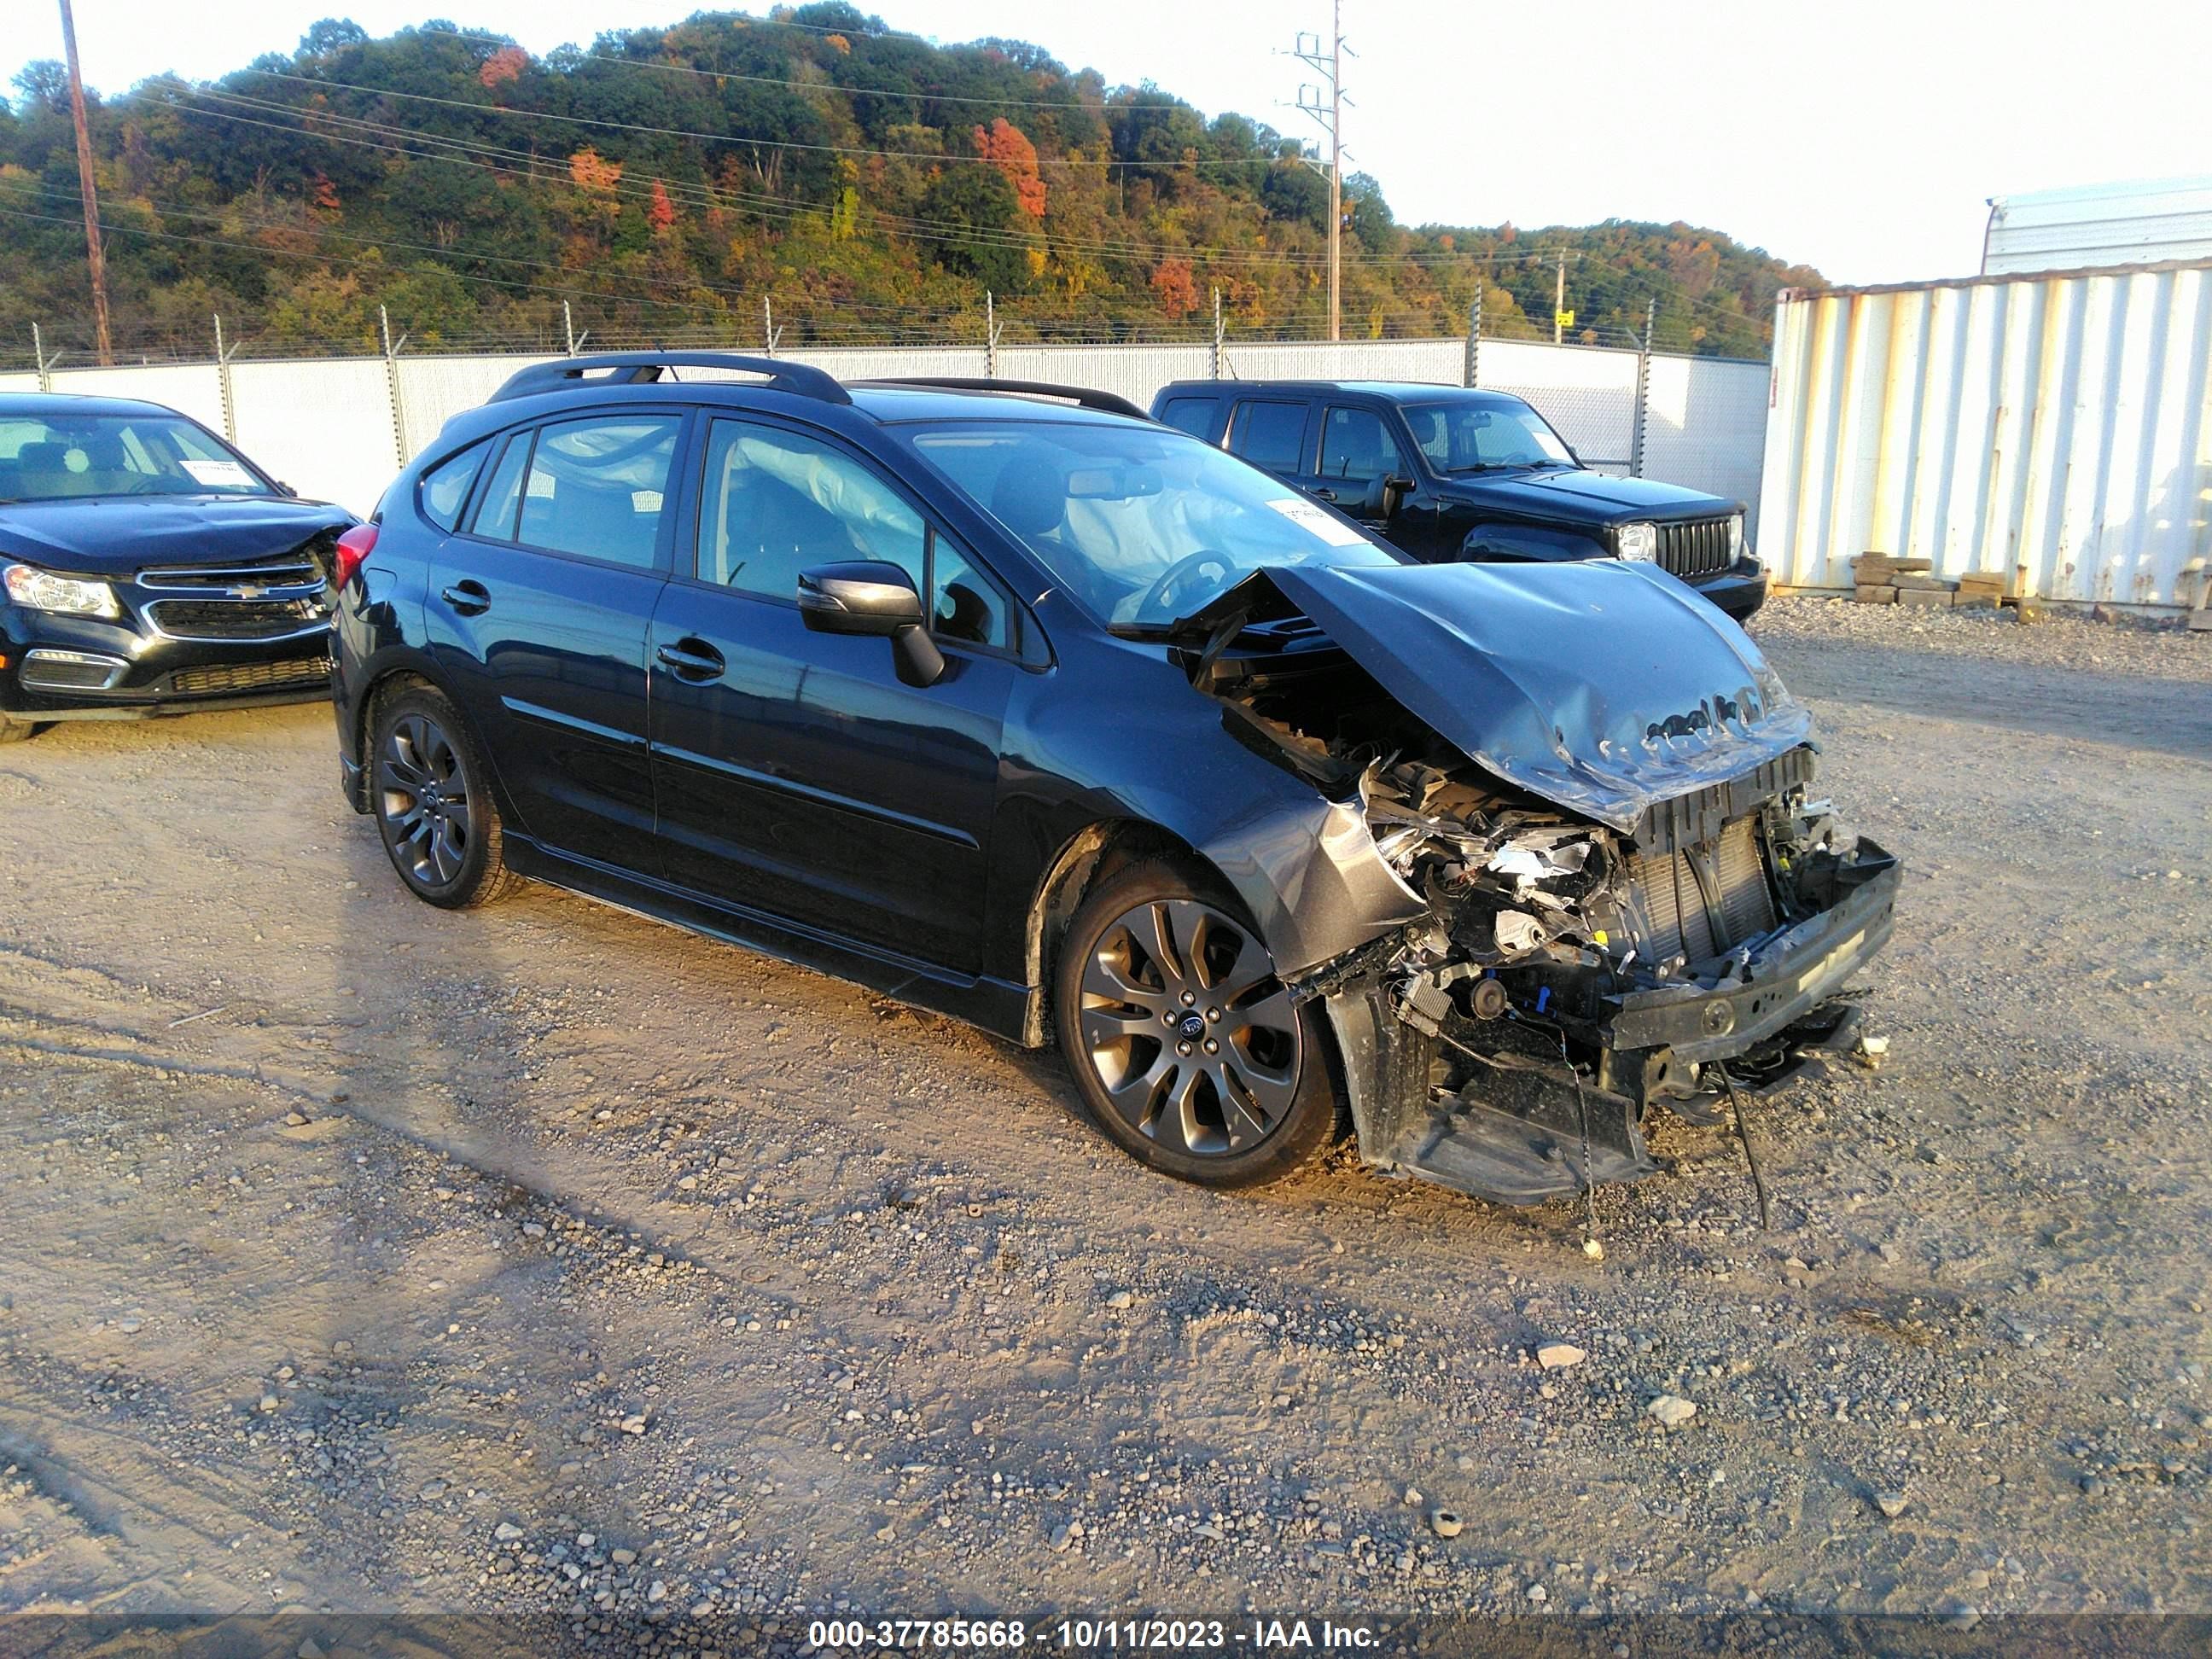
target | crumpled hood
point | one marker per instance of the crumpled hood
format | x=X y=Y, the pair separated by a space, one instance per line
x=1600 y=687
x=117 y=535
x=1585 y=493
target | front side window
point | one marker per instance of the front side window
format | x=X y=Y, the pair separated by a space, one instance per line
x=965 y=603
x=445 y=486
x=1141 y=525
x=775 y=503
x=597 y=488
x=1356 y=446
x=1477 y=435
x=1272 y=436
x=65 y=457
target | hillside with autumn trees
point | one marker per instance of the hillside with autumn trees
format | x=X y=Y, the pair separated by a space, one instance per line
x=662 y=183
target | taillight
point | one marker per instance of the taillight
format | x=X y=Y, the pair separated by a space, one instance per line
x=353 y=551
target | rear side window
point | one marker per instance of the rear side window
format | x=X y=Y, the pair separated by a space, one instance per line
x=495 y=513
x=1268 y=435
x=1191 y=415
x=598 y=488
x=445 y=486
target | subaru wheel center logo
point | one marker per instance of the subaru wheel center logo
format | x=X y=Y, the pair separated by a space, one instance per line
x=1193 y=1027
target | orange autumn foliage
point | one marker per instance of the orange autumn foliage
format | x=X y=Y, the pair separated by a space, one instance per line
x=1008 y=148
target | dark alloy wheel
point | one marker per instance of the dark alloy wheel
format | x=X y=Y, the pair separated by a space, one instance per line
x=1188 y=1048
x=435 y=815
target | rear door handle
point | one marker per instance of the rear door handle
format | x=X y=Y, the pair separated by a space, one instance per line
x=470 y=599
x=692 y=659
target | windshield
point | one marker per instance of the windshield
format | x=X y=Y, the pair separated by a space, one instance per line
x=1471 y=437
x=62 y=457
x=1142 y=525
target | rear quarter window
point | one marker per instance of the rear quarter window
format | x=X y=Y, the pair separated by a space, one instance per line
x=445 y=489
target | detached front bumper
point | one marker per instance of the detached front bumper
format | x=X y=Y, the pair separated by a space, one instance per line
x=1776 y=987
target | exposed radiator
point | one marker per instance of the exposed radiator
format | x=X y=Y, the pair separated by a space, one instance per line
x=1675 y=915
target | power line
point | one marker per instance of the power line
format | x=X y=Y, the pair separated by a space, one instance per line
x=535 y=164
x=475 y=107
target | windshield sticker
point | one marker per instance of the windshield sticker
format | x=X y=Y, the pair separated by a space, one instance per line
x=645 y=500
x=220 y=475
x=1307 y=516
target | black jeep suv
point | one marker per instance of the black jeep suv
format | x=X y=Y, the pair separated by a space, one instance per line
x=1449 y=475
x=1018 y=705
x=147 y=567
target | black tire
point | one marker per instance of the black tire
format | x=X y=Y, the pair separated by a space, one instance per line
x=430 y=792
x=1185 y=1047
x=15 y=730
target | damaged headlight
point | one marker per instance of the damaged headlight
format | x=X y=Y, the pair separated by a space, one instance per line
x=1637 y=541
x=41 y=590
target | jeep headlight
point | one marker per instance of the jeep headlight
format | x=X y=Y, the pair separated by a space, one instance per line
x=41 y=590
x=1637 y=541
x=1735 y=537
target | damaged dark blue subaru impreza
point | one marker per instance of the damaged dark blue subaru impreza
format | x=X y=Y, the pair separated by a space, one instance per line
x=1008 y=702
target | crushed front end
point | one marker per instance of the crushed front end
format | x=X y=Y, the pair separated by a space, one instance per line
x=1580 y=961
x=1571 y=977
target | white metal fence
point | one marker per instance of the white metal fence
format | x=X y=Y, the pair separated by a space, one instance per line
x=2057 y=428
x=337 y=428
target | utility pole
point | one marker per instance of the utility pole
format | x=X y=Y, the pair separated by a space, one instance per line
x=990 y=335
x=1217 y=357
x=1326 y=105
x=1559 y=296
x=93 y=257
x=769 y=332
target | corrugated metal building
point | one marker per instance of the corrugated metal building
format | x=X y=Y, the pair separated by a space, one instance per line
x=2058 y=428
x=2145 y=221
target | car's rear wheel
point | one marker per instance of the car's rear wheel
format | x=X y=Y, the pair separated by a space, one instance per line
x=1186 y=1046
x=15 y=731
x=432 y=801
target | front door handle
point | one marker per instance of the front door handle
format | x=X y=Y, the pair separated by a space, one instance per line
x=692 y=659
x=470 y=599
x=1324 y=495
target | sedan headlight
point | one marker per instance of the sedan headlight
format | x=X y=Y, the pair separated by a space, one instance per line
x=41 y=590
x=1735 y=537
x=1637 y=541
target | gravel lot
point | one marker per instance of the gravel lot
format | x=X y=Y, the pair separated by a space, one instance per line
x=357 y=1255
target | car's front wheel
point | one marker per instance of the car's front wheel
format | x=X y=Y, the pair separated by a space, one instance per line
x=433 y=802
x=1186 y=1049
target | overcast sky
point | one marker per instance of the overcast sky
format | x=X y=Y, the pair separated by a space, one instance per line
x=1862 y=138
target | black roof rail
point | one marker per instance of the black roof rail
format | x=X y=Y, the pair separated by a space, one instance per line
x=1104 y=402
x=633 y=368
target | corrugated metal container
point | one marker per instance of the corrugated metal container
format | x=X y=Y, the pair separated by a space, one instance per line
x=2148 y=221
x=2057 y=428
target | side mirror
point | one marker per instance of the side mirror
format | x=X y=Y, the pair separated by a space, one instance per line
x=869 y=596
x=1384 y=497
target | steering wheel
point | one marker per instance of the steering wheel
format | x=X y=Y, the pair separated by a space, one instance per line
x=1189 y=565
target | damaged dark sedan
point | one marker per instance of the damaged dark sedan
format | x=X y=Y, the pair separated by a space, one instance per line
x=148 y=568
x=1015 y=705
